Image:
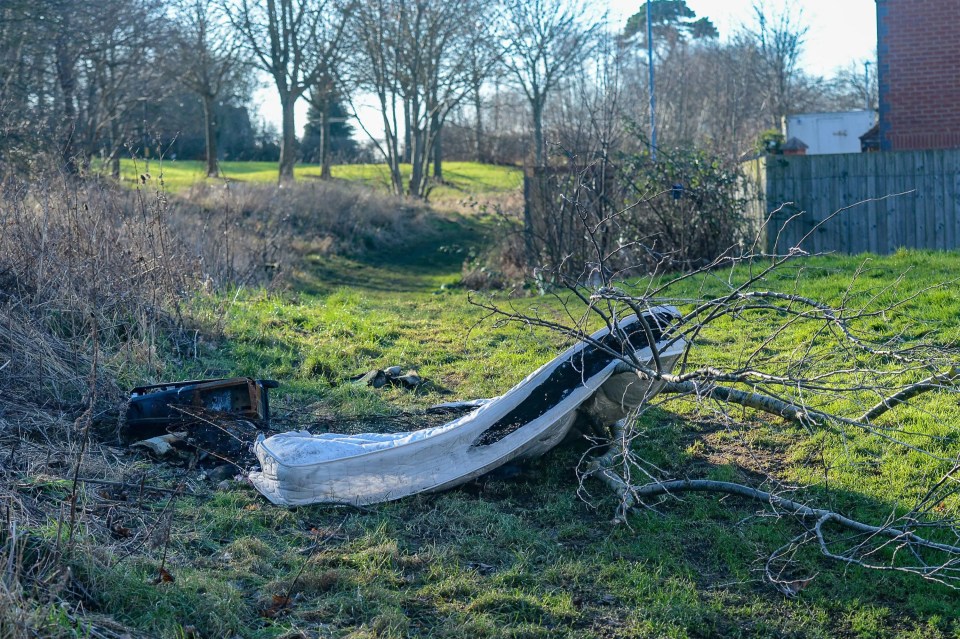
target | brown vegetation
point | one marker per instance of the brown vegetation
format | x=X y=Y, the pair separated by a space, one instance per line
x=94 y=283
x=89 y=272
x=266 y=227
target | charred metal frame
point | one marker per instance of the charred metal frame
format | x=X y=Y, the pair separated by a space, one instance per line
x=155 y=408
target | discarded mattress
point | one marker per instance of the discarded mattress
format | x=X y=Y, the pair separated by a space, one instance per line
x=299 y=468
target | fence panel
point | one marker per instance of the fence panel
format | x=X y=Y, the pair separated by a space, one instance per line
x=904 y=199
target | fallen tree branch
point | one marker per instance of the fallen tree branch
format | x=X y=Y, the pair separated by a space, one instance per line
x=806 y=417
x=788 y=410
x=759 y=401
x=832 y=365
x=947 y=572
x=934 y=382
x=602 y=467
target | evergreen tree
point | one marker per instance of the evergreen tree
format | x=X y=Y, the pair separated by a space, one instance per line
x=673 y=21
x=342 y=147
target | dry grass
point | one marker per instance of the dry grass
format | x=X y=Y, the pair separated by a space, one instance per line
x=265 y=228
x=87 y=275
x=503 y=264
x=90 y=282
x=93 y=281
x=88 y=271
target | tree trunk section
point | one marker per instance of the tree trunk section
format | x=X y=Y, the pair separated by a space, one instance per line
x=210 y=136
x=114 y=150
x=392 y=150
x=407 y=156
x=325 y=142
x=418 y=162
x=288 y=140
x=66 y=77
x=437 y=151
x=478 y=153
x=538 y=150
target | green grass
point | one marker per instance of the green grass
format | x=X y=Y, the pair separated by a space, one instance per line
x=461 y=178
x=525 y=557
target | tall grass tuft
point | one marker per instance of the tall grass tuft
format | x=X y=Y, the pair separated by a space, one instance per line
x=83 y=264
x=242 y=232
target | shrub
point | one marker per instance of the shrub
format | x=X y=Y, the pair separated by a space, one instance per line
x=689 y=206
x=680 y=210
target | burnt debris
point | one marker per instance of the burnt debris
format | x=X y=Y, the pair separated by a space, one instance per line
x=156 y=409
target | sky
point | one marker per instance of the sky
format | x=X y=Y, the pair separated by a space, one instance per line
x=841 y=32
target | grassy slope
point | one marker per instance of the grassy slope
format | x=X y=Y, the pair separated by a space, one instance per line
x=526 y=557
x=523 y=557
x=460 y=176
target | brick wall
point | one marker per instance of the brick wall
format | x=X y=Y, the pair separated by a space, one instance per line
x=918 y=50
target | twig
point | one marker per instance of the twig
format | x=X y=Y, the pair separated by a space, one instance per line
x=85 y=419
x=942 y=573
x=142 y=487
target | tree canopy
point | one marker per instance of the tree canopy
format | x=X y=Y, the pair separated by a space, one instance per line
x=343 y=146
x=672 y=20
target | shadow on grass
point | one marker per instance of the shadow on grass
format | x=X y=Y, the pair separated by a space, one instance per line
x=523 y=556
x=507 y=553
x=421 y=264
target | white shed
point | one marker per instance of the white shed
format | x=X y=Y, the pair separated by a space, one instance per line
x=826 y=133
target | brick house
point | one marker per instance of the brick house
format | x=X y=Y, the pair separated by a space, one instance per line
x=918 y=60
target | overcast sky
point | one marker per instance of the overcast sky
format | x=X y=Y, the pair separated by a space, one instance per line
x=841 y=32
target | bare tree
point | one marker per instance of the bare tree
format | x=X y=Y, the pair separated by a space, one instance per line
x=296 y=43
x=14 y=20
x=207 y=60
x=545 y=41
x=588 y=112
x=79 y=71
x=321 y=98
x=414 y=60
x=837 y=367
x=504 y=134
x=779 y=40
x=482 y=60
x=706 y=96
x=481 y=64
x=678 y=42
x=68 y=22
x=720 y=95
x=24 y=79
x=121 y=75
x=731 y=109
x=856 y=86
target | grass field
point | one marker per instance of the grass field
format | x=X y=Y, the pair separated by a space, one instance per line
x=525 y=556
x=518 y=556
x=461 y=178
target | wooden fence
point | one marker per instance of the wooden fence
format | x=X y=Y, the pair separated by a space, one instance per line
x=904 y=199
